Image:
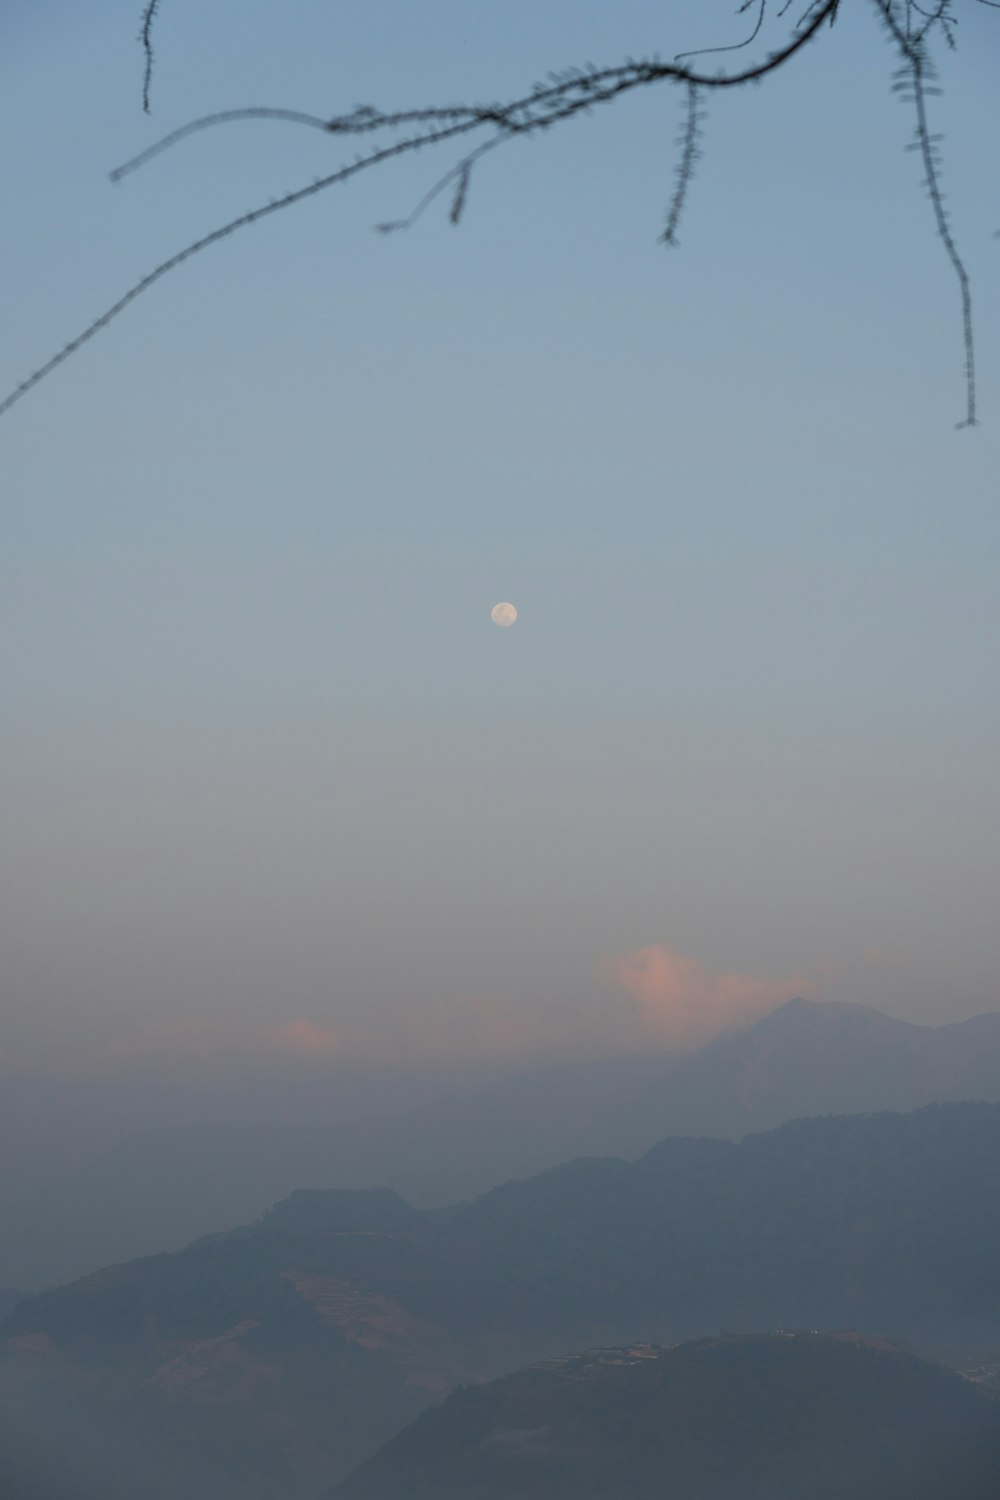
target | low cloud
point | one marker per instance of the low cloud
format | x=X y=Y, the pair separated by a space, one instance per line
x=655 y=997
x=679 y=1003
x=469 y=1029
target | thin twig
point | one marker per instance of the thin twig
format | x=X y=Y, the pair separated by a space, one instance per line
x=223 y=117
x=146 y=37
x=946 y=237
x=733 y=46
x=685 y=167
x=459 y=174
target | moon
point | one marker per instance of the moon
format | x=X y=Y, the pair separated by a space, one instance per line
x=503 y=615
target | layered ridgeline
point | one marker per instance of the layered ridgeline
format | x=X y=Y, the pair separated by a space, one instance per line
x=778 y=1417
x=275 y=1358
x=76 y=1203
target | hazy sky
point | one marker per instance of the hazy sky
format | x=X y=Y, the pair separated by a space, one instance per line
x=272 y=779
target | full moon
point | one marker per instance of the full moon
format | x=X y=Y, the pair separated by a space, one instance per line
x=503 y=614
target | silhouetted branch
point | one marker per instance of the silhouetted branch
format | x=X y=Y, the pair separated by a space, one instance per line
x=931 y=168
x=223 y=232
x=912 y=83
x=222 y=117
x=685 y=167
x=564 y=96
x=459 y=175
x=461 y=192
x=146 y=37
x=733 y=46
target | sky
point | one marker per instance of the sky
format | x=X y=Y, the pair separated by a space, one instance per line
x=274 y=784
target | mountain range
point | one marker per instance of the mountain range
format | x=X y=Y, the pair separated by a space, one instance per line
x=275 y=1358
x=74 y=1206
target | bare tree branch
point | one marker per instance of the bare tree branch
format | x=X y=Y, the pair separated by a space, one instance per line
x=222 y=117
x=573 y=93
x=913 y=85
x=146 y=38
x=927 y=143
x=685 y=167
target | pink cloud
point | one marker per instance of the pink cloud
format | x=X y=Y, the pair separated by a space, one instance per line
x=472 y=1028
x=462 y=1029
x=680 y=1003
x=675 y=1003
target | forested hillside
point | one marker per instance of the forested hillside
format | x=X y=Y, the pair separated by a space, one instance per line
x=779 y=1417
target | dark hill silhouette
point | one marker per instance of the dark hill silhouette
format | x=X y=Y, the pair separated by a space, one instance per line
x=274 y=1358
x=755 y=1418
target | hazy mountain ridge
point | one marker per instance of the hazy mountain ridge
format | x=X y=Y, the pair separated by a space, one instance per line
x=754 y=1418
x=160 y=1188
x=276 y=1357
x=805 y=1058
x=826 y=1057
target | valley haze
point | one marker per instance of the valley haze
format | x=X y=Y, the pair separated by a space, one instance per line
x=277 y=1357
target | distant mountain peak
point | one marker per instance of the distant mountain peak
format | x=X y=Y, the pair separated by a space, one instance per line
x=803 y=1011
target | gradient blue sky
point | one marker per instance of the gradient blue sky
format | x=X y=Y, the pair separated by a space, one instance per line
x=265 y=757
